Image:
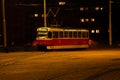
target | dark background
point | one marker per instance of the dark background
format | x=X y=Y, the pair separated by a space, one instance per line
x=21 y=22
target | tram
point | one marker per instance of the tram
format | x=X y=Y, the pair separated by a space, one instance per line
x=61 y=38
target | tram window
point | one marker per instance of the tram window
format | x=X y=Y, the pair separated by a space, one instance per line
x=75 y=34
x=55 y=34
x=49 y=34
x=61 y=34
x=85 y=34
x=79 y=34
x=65 y=34
x=70 y=34
x=42 y=34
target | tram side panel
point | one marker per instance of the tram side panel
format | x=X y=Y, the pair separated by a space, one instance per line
x=69 y=43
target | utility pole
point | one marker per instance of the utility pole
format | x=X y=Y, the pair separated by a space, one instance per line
x=45 y=16
x=4 y=24
x=110 y=23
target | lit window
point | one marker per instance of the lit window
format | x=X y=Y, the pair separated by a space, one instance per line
x=92 y=31
x=92 y=20
x=82 y=20
x=96 y=8
x=81 y=8
x=101 y=8
x=42 y=15
x=62 y=3
x=36 y=15
x=97 y=31
x=86 y=8
x=86 y=20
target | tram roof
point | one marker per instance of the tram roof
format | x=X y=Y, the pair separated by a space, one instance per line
x=60 y=29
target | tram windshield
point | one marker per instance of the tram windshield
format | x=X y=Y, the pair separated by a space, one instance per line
x=42 y=34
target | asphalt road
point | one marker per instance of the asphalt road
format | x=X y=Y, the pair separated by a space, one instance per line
x=61 y=65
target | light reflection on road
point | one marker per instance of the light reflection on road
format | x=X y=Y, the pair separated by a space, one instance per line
x=61 y=65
